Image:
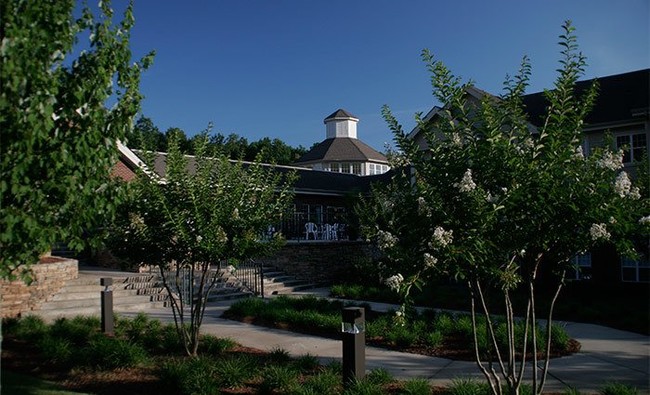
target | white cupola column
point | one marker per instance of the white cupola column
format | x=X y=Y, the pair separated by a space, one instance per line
x=341 y=124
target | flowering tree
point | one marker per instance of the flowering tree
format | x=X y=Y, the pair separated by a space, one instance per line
x=58 y=142
x=199 y=215
x=497 y=203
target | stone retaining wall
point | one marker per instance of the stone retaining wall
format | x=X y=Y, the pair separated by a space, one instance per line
x=320 y=262
x=49 y=277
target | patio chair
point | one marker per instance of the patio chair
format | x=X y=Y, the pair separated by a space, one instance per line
x=311 y=227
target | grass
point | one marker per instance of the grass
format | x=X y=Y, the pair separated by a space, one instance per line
x=14 y=383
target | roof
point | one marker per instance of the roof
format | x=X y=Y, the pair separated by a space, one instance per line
x=342 y=149
x=621 y=98
x=308 y=182
x=340 y=114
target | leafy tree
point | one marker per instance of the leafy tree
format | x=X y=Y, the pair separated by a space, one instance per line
x=195 y=218
x=493 y=205
x=147 y=135
x=58 y=141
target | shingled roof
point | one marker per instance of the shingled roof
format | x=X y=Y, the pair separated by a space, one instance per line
x=621 y=97
x=341 y=114
x=342 y=149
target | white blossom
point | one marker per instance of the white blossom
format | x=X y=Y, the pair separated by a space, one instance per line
x=441 y=237
x=385 y=240
x=599 y=231
x=611 y=160
x=429 y=260
x=579 y=154
x=622 y=185
x=235 y=213
x=394 y=282
x=466 y=184
x=645 y=220
x=199 y=238
x=456 y=140
x=423 y=208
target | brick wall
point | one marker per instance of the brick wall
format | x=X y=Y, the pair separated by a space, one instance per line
x=322 y=262
x=49 y=277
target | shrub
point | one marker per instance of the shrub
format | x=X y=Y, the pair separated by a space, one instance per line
x=559 y=337
x=468 y=386
x=380 y=376
x=618 y=389
x=416 y=387
x=106 y=353
x=433 y=339
x=79 y=330
x=233 y=371
x=444 y=324
x=278 y=378
x=401 y=336
x=364 y=387
x=571 y=391
x=215 y=345
x=194 y=376
x=56 y=350
x=326 y=382
x=306 y=363
x=31 y=328
x=335 y=367
x=279 y=356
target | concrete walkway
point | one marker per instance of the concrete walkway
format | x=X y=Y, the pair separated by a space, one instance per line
x=607 y=355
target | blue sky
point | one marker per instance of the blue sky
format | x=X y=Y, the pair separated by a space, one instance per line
x=277 y=68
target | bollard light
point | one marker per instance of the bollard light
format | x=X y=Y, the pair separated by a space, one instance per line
x=107 y=305
x=353 y=328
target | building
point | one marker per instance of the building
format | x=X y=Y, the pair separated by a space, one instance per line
x=342 y=151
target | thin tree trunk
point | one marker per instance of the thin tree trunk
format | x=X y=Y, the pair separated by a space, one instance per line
x=548 y=333
x=492 y=378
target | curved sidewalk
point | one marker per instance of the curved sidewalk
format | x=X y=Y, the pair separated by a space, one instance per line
x=607 y=355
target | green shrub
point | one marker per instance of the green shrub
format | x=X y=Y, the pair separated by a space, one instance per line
x=468 y=386
x=433 y=339
x=379 y=326
x=618 y=389
x=444 y=323
x=79 y=330
x=31 y=328
x=279 y=356
x=213 y=345
x=364 y=387
x=335 y=367
x=278 y=378
x=380 y=376
x=246 y=307
x=56 y=350
x=234 y=371
x=107 y=353
x=401 y=336
x=416 y=387
x=571 y=391
x=190 y=376
x=559 y=337
x=326 y=382
x=306 y=363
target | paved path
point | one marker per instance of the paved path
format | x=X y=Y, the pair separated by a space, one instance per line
x=607 y=354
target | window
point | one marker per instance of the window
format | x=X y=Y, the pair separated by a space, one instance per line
x=371 y=169
x=582 y=266
x=334 y=167
x=634 y=144
x=635 y=270
x=356 y=168
x=345 y=167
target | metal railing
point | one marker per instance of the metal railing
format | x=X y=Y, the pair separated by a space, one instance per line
x=250 y=275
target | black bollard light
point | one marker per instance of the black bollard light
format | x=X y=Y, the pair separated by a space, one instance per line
x=107 y=306
x=353 y=335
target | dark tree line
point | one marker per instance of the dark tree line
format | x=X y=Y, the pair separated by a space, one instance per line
x=146 y=135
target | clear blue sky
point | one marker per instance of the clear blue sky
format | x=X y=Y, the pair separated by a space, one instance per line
x=278 y=68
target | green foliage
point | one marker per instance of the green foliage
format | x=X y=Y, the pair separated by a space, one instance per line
x=59 y=141
x=416 y=387
x=30 y=328
x=327 y=382
x=618 y=389
x=468 y=386
x=78 y=331
x=282 y=379
x=56 y=350
x=571 y=391
x=105 y=353
x=306 y=363
x=233 y=371
x=364 y=387
x=279 y=356
x=213 y=345
x=380 y=376
x=194 y=376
